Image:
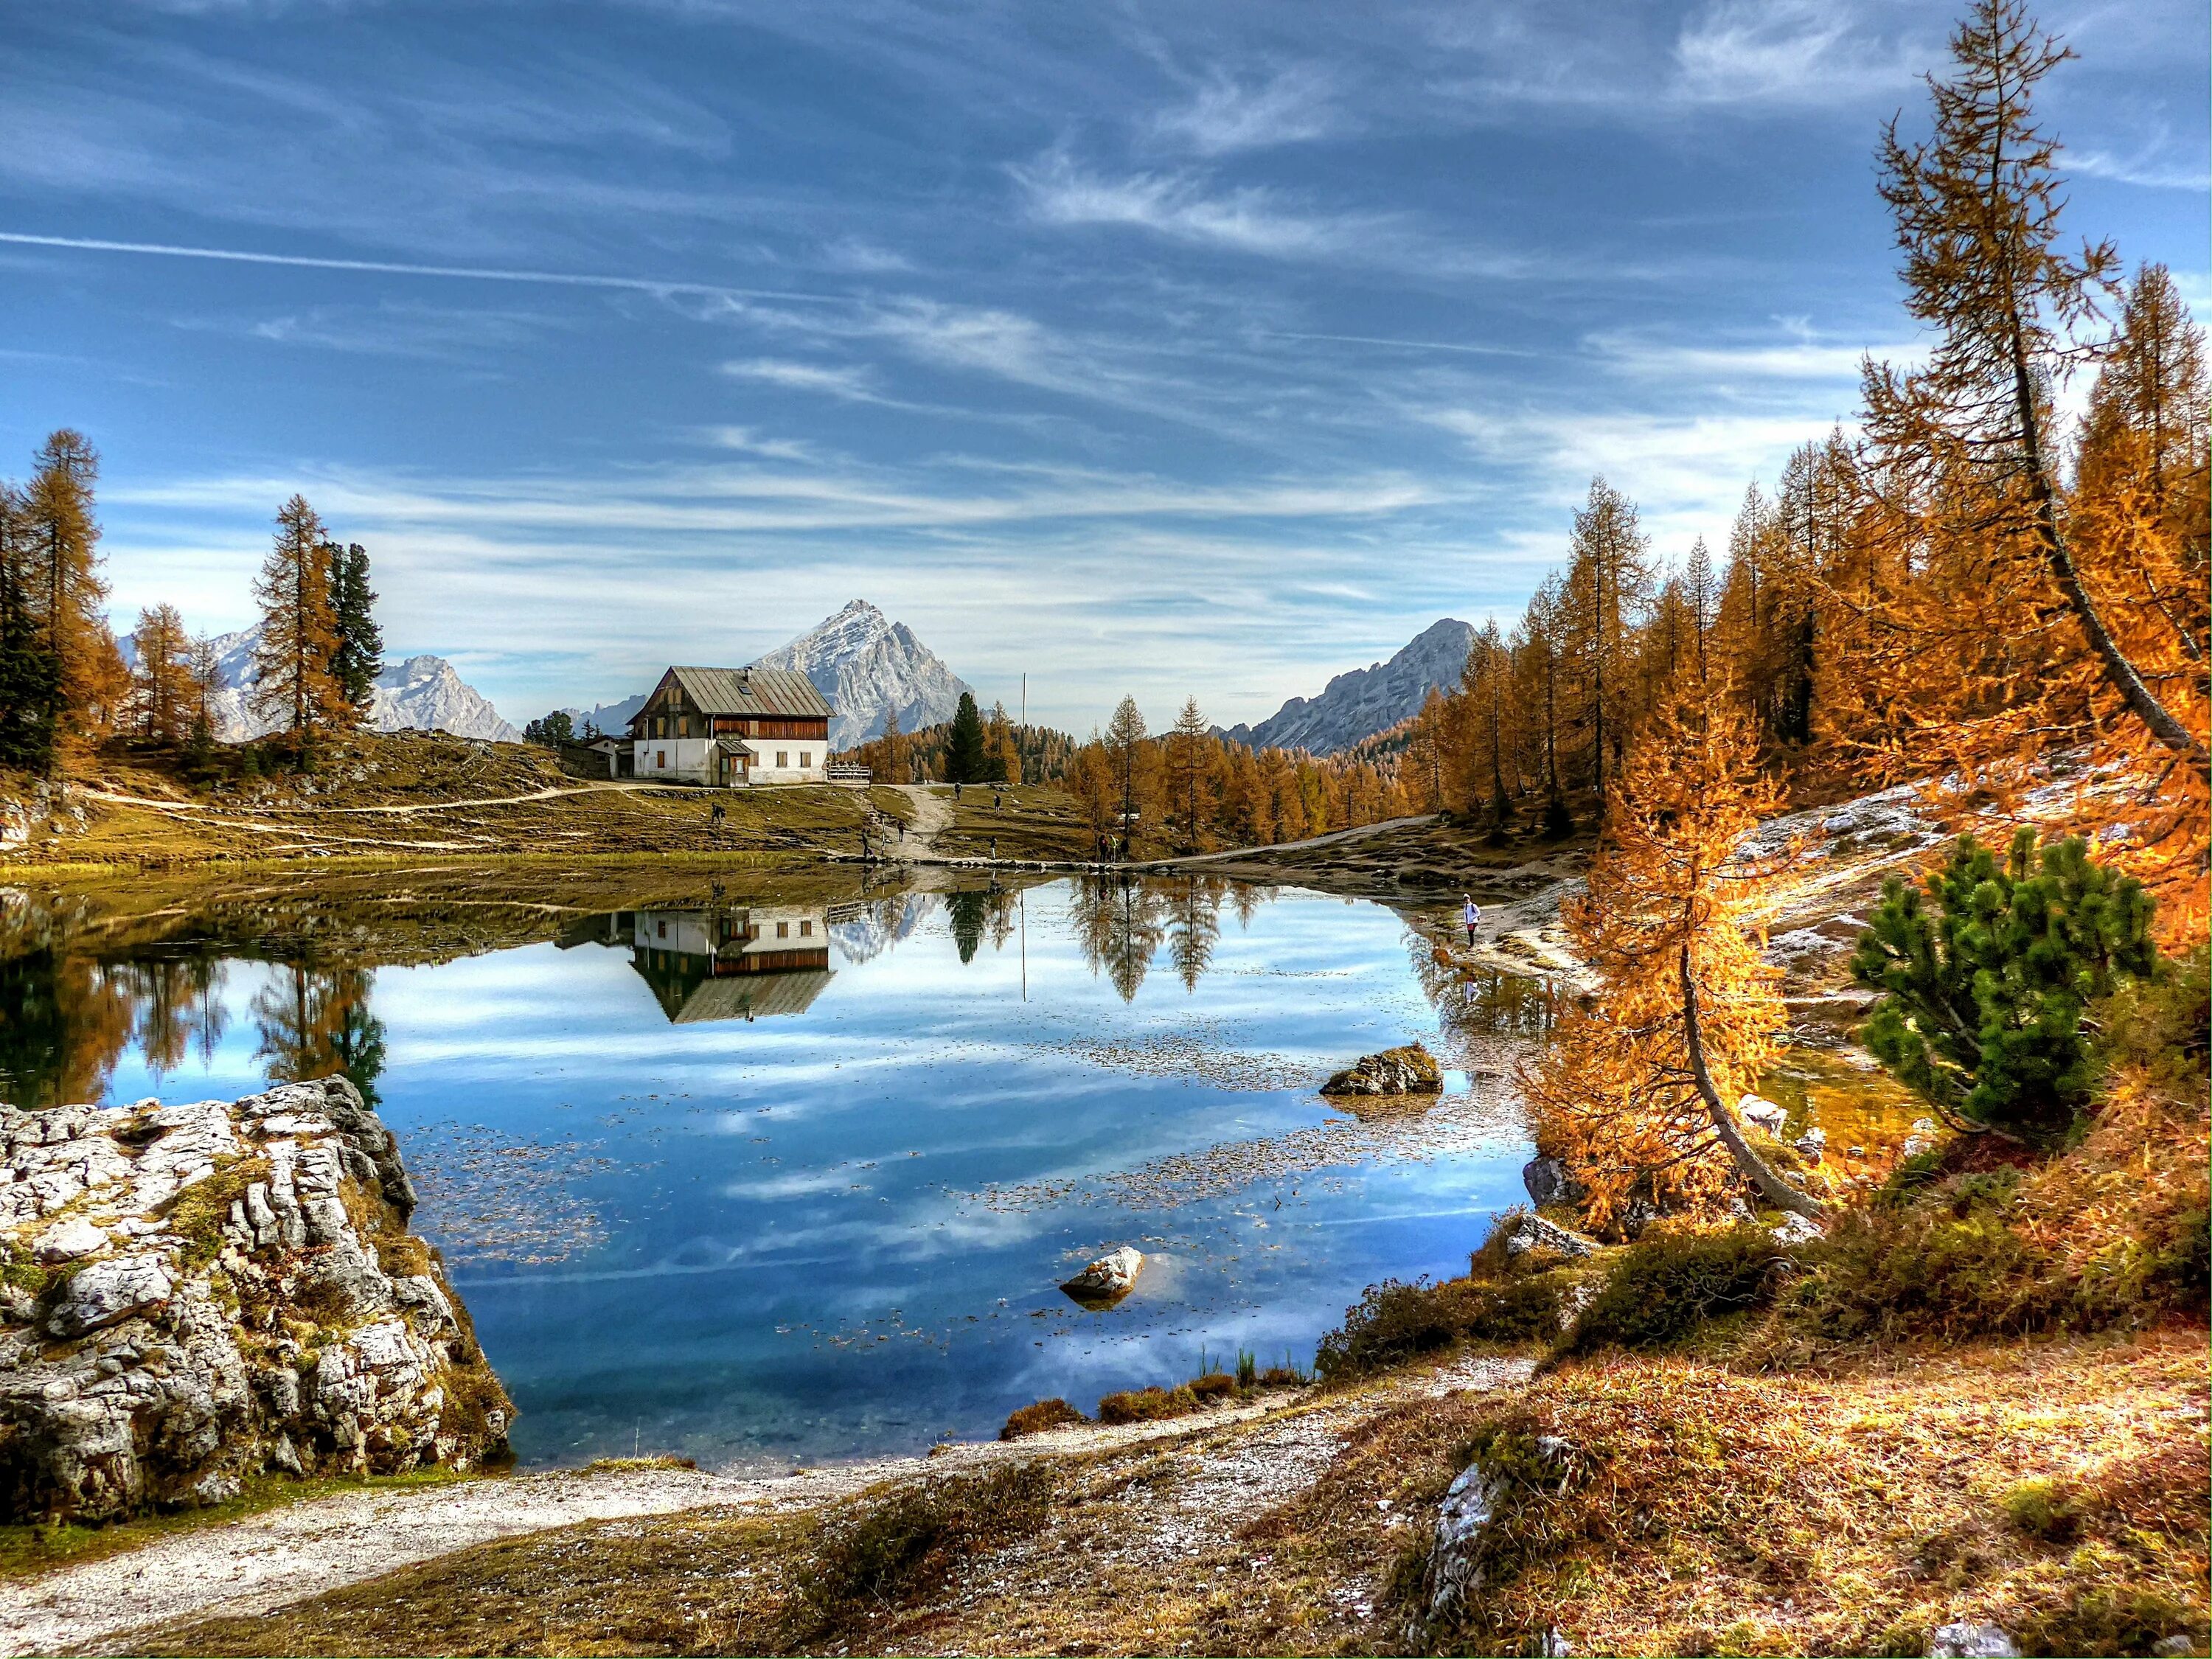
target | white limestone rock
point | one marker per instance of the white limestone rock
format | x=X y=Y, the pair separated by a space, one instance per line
x=1110 y=1277
x=1969 y=1641
x=170 y=1371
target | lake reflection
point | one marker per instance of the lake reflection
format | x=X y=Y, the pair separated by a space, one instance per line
x=760 y=1181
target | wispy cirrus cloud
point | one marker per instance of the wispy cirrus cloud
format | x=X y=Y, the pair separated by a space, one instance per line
x=1190 y=208
x=1225 y=114
x=1788 y=51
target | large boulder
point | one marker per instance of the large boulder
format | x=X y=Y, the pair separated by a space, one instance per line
x=191 y=1296
x=1410 y=1070
x=1548 y=1182
x=1763 y=1114
x=1110 y=1277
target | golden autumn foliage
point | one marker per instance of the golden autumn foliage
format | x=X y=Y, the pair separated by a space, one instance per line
x=1617 y=1095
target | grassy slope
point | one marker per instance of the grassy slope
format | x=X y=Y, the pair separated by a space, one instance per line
x=464 y=798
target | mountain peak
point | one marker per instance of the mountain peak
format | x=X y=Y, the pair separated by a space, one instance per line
x=868 y=665
x=1361 y=701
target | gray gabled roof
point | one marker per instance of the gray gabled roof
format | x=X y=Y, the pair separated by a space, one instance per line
x=752 y=691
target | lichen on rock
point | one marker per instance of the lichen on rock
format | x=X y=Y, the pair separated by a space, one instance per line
x=194 y=1295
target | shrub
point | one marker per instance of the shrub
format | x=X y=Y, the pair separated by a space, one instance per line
x=1212 y=1386
x=1147 y=1405
x=1045 y=1414
x=1395 y=1321
x=1663 y=1286
x=912 y=1539
x=1985 y=987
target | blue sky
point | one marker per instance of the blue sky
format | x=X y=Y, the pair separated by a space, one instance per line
x=1177 y=348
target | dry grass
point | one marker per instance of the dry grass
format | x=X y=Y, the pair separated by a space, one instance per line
x=1716 y=1511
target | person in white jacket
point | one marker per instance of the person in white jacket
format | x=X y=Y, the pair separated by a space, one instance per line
x=1471 y=913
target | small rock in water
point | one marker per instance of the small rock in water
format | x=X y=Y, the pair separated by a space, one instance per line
x=1410 y=1070
x=1110 y=1277
x=1811 y=1144
x=1965 y=1641
x=1762 y=1113
x=2172 y=1647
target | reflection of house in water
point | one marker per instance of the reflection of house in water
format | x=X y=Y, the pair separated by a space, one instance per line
x=740 y=963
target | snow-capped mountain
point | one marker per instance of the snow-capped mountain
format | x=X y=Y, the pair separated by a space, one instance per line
x=421 y=694
x=867 y=665
x=1364 y=701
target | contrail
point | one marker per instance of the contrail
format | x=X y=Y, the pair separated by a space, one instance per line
x=394 y=268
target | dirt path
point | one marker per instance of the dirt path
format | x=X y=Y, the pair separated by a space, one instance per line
x=933 y=816
x=269 y=1560
x=1334 y=837
x=1243 y=1461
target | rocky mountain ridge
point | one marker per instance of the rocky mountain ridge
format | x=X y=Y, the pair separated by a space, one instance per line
x=1362 y=701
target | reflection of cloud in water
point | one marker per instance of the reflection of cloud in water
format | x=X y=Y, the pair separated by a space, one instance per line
x=1456 y=1123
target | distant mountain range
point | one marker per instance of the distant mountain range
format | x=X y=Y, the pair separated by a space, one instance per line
x=862 y=661
x=420 y=694
x=1358 y=704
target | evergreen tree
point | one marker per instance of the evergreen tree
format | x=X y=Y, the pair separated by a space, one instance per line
x=1986 y=985
x=965 y=759
x=1125 y=748
x=359 y=657
x=30 y=677
x=293 y=681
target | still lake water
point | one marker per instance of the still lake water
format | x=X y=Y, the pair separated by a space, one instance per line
x=777 y=1183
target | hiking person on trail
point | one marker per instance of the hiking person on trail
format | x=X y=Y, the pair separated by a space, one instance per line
x=955 y=791
x=1472 y=915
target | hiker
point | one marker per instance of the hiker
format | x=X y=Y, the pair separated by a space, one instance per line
x=995 y=850
x=1472 y=915
x=998 y=798
x=901 y=829
x=956 y=791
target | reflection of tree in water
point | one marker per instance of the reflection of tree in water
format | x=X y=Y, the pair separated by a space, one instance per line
x=1120 y=924
x=180 y=1007
x=1196 y=906
x=65 y=1021
x=976 y=915
x=967 y=912
x=315 y=1021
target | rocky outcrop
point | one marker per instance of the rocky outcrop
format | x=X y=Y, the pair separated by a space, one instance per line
x=1363 y=701
x=1108 y=1279
x=193 y=1296
x=1473 y=1505
x=1411 y=1069
x=1532 y=1233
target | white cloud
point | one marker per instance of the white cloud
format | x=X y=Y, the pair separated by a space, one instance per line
x=1247 y=219
x=849 y=383
x=1292 y=107
x=1791 y=52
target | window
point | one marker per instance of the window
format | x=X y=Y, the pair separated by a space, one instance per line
x=660 y=757
x=661 y=930
x=783 y=758
x=806 y=930
x=783 y=930
x=806 y=760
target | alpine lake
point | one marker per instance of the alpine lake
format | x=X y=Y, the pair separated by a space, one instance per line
x=768 y=1174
